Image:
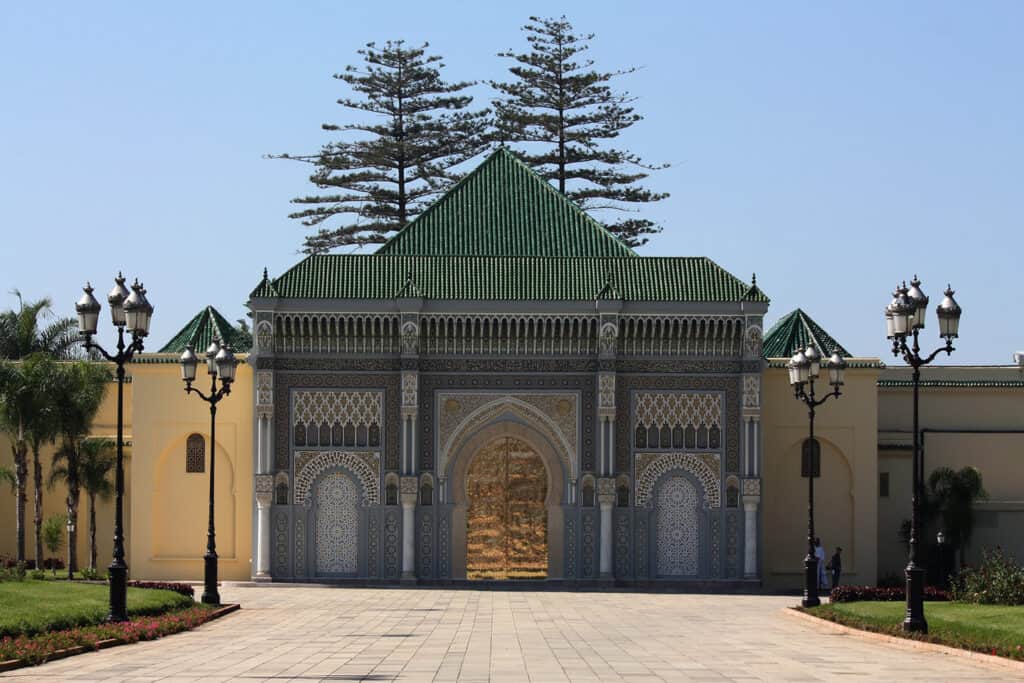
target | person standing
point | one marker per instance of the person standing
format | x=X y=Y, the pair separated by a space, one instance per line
x=836 y=566
x=819 y=554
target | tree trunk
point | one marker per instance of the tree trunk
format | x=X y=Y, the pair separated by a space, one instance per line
x=92 y=531
x=73 y=494
x=37 y=482
x=21 y=484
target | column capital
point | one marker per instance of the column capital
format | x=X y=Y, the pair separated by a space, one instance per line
x=606 y=491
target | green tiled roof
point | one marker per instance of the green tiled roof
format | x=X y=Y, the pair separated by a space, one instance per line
x=201 y=329
x=795 y=331
x=503 y=208
x=954 y=383
x=522 y=278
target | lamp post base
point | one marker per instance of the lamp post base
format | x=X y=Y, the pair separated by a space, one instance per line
x=914 y=621
x=811 y=598
x=210 y=594
x=118 y=592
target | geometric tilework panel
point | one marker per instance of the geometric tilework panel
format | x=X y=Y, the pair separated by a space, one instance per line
x=361 y=408
x=678 y=410
x=705 y=467
x=678 y=548
x=366 y=466
x=337 y=525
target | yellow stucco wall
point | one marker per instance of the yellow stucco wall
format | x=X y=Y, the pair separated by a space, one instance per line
x=166 y=509
x=955 y=421
x=845 y=494
x=170 y=507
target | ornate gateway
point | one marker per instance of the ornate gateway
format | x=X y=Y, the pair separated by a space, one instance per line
x=504 y=390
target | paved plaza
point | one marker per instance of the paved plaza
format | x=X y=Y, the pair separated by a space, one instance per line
x=303 y=633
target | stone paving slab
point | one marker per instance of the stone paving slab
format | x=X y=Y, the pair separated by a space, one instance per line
x=318 y=633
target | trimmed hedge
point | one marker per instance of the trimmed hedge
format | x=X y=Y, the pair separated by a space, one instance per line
x=183 y=588
x=875 y=594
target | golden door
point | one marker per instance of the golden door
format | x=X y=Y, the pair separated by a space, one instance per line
x=506 y=524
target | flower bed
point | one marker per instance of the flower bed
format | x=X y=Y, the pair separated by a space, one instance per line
x=42 y=647
x=874 y=594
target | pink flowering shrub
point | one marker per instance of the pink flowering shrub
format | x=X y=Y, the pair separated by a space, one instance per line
x=39 y=648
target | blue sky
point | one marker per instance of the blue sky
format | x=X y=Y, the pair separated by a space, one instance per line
x=832 y=148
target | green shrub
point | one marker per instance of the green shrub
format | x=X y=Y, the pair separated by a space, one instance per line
x=90 y=574
x=14 y=572
x=998 y=580
x=38 y=575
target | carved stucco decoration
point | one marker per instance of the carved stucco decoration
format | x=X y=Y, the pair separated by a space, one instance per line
x=609 y=338
x=751 y=487
x=264 y=389
x=704 y=466
x=553 y=414
x=410 y=384
x=752 y=340
x=606 y=390
x=264 y=488
x=410 y=337
x=751 y=391
x=361 y=408
x=678 y=409
x=364 y=465
x=264 y=336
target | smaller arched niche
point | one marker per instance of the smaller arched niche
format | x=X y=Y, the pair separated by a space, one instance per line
x=732 y=492
x=426 y=490
x=281 y=489
x=587 y=493
x=391 y=489
x=622 y=491
x=195 y=454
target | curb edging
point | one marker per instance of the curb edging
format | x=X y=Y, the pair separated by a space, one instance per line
x=908 y=643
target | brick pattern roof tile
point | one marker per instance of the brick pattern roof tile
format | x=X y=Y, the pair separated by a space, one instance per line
x=503 y=208
x=796 y=331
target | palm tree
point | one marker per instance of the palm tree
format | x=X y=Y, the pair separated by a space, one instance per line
x=16 y=401
x=951 y=498
x=42 y=428
x=95 y=463
x=76 y=398
x=21 y=333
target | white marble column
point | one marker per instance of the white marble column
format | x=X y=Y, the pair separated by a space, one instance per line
x=606 y=499
x=264 y=494
x=408 y=495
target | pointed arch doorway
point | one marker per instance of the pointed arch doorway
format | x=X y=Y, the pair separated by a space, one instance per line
x=506 y=519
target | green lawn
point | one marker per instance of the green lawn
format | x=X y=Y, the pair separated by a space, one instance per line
x=974 y=627
x=30 y=607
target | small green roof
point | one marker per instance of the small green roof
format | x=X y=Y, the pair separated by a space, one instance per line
x=201 y=329
x=796 y=331
x=530 y=278
x=503 y=208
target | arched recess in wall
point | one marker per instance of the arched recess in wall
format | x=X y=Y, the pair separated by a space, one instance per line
x=181 y=504
x=785 y=507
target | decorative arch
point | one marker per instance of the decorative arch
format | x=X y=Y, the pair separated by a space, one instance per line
x=588 y=491
x=695 y=465
x=426 y=493
x=493 y=412
x=365 y=467
x=732 y=492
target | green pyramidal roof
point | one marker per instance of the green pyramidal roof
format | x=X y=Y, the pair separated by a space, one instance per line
x=503 y=208
x=796 y=331
x=201 y=330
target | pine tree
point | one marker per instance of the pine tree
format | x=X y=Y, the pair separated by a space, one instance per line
x=381 y=178
x=561 y=110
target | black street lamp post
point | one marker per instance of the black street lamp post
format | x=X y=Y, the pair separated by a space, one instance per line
x=220 y=362
x=905 y=317
x=131 y=311
x=804 y=369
